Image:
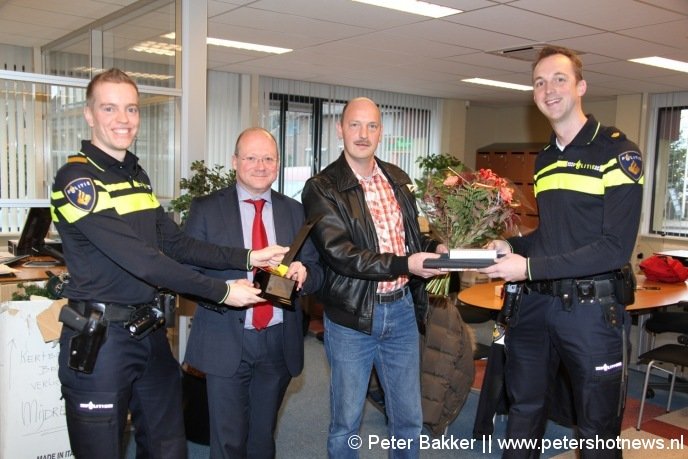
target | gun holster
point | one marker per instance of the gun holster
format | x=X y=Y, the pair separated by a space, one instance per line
x=511 y=295
x=84 y=346
x=624 y=285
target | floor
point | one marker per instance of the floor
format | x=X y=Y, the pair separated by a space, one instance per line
x=302 y=429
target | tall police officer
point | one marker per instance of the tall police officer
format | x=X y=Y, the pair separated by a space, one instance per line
x=120 y=247
x=588 y=185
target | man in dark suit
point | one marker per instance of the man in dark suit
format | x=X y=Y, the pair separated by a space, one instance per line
x=247 y=367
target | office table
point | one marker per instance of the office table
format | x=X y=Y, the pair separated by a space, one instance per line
x=27 y=273
x=648 y=296
x=8 y=283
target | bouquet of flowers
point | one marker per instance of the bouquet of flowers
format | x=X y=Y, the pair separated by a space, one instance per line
x=466 y=209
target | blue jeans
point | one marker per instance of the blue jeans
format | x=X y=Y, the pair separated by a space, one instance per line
x=393 y=347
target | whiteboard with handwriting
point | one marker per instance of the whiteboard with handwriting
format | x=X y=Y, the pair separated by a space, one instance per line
x=32 y=414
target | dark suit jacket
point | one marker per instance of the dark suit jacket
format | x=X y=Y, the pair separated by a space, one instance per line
x=215 y=341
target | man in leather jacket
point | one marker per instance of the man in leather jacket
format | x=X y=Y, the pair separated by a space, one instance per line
x=374 y=293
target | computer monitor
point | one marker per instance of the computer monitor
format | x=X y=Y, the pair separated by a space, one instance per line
x=36 y=227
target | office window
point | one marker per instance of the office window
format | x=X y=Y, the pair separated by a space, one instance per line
x=302 y=116
x=21 y=168
x=669 y=162
x=44 y=125
x=43 y=112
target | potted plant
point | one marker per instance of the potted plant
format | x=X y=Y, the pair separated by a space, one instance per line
x=203 y=182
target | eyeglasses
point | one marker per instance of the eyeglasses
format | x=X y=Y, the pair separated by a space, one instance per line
x=269 y=161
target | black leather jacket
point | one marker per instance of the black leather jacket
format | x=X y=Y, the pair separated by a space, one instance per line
x=346 y=239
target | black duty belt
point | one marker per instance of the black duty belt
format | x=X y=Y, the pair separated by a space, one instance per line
x=391 y=297
x=586 y=289
x=114 y=312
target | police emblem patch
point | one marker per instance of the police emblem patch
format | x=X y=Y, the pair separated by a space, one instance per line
x=631 y=164
x=81 y=193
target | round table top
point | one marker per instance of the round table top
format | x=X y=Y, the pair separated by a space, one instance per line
x=648 y=295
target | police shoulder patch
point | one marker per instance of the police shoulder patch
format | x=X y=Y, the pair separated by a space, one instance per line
x=631 y=164
x=81 y=193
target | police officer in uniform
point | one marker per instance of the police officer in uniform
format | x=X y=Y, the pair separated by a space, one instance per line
x=588 y=186
x=119 y=248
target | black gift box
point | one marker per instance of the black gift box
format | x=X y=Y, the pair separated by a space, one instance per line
x=460 y=259
x=275 y=287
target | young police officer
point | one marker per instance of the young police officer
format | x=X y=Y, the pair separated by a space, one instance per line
x=119 y=247
x=588 y=185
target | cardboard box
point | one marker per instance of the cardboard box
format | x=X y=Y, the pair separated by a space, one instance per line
x=33 y=422
x=48 y=321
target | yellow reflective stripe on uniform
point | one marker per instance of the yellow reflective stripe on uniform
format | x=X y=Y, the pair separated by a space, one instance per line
x=568 y=180
x=125 y=204
x=72 y=213
x=571 y=182
x=546 y=169
x=110 y=187
x=617 y=177
x=128 y=203
x=134 y=203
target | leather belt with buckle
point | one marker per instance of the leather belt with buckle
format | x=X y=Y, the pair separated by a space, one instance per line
x=391 y=297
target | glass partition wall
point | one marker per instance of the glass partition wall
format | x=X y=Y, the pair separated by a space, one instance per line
x=43 y=108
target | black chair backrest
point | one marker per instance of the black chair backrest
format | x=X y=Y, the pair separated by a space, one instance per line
x=667 y=322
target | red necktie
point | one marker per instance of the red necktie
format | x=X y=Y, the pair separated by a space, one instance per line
x=262 y=312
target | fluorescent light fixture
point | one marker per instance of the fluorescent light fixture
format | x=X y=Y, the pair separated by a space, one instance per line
x=238 y=44
x=414 y=7
x=149 y=76
x=662 y=62
x=499 y=84
x=155 y=47
x=248 y=46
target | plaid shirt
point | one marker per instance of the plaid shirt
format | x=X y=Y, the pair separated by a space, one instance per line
x=387 y=219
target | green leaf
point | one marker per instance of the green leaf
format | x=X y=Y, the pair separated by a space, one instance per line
x=203 y=181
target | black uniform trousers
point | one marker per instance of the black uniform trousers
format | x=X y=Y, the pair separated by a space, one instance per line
x=541 y=336
x=129 y=375
x=243 y=407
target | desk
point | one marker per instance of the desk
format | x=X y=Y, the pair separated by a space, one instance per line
x=32 y=273
x=8 y=283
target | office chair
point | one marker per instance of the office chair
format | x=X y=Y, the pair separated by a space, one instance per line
x=673 y=354
x=667 y=322
x=474 y=315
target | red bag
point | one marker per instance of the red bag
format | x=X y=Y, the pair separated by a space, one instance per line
x=662 y=268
